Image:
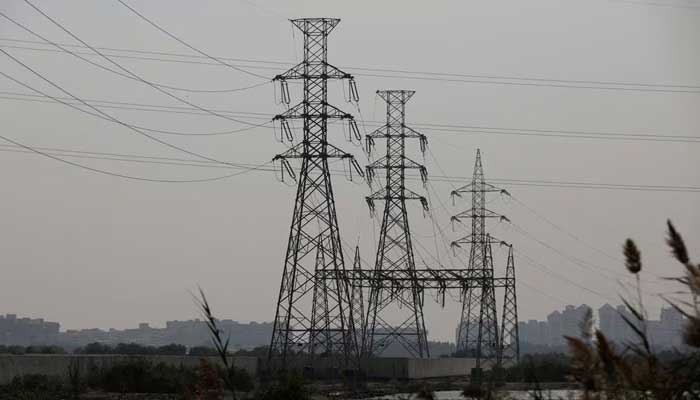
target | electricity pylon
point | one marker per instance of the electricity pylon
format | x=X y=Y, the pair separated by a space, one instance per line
x=395 y=312
x=478 y=329
x=314 y=315
x=358 y=302
x=510 y=343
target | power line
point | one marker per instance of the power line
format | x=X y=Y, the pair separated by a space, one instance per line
x=600 y=186
x=436 y=128
x=540 y=291
x=161 y=90
x=657 y=4
x=445 y=76
x=134 y=106
x=119 y=175
x=258 y=167
x=138 y=158
x=584 y=185
x=531 y=84
x=121 y=105
x=555 y=274
x=148 y=107
x=523 y=78
x=149 y=52
x=77 y=55
x=557 y=132
x=575 y=260
x=153 y=24
x=566 y=232
x=102 y=113
x=457 y=129
x=578 y=185
x=434 y=178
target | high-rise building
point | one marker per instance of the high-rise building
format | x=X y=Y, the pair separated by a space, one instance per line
x=613 y=322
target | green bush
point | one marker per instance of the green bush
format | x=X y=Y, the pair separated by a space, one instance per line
x=144 y=376
x=203 y=351
x=141 y=376
x=34 y=387
x=21 y=350
x=289 y=388
x=133 y=349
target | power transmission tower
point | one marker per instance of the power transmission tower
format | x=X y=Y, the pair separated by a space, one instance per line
x=510 y=343
x=358 y=301
x=314 y=315
x=403 y=323
x=478 y=330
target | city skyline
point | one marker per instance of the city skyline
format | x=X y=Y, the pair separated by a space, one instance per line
x=532 y=332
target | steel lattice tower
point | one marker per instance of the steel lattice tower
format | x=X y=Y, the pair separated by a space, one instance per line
x=478 y=330
x=395 y=250
x=358 y=302
x=510 y=343
x=313 y=315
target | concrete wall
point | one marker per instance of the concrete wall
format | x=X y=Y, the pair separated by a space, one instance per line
x=417 y=368
x=57 y=365
x=377 y=368
x=385 y=367
x=440 y=367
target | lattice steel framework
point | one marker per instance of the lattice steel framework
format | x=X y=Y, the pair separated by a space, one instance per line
x=395 y=314
x=510 y=343
x=313 y=316
x=478 y=329
x=357 y=297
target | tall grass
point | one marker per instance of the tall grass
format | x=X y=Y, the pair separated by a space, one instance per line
x=289 y=387
x=634 y=371
x=220 y=345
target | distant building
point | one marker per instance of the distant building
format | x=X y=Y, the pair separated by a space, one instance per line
x=188 y=333
x=608 y=321
x=546 y=336
x=668 y=331
x=555 y=329
x=26 y=331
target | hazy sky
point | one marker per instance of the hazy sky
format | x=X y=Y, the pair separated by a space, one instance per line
x=90 y=250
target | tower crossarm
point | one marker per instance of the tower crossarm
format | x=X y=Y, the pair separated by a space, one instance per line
x=395 y=166
x=407 y=194
x=320 y=110
x=310 y=70
x=385 y=131
x=476 y=213
x=304 y=151
x=481 y=187
x=389 y=163
x=298 y=151
x=472 y=239
x=421 y=279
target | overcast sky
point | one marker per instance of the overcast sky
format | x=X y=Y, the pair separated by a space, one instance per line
x=90 y=250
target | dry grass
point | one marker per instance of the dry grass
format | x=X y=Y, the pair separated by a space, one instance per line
x=635 y=372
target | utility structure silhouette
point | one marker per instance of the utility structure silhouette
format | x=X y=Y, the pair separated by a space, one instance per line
x=478 y=334
x=510 y=343
x=395 y=313
x=314 y=315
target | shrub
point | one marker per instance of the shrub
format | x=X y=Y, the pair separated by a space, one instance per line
x=290 y=387
x=203 y=351
x=144 y=376
x=172 y=350
x=141 y=376
x=34 y=387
